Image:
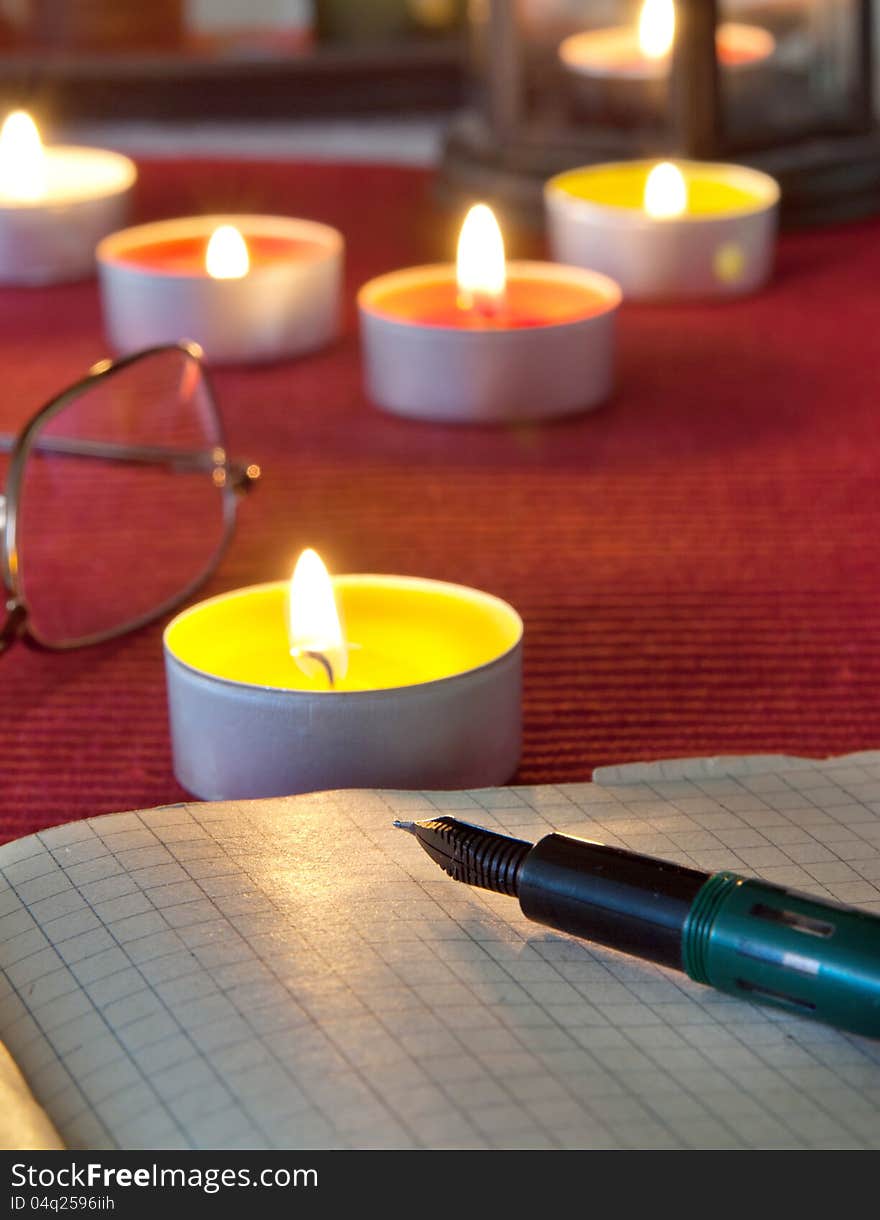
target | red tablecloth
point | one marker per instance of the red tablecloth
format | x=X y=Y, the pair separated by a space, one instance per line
x=696 y=562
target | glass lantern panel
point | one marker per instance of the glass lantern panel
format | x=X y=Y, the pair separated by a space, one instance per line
x=591 y=65
x=788 y=68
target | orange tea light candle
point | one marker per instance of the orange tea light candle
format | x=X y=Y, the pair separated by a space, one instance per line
x=246 y=288
x=486 y=340
x=56 y=203
x=345 y=682
x=667 y=231
x=621 y=73
x=642 y=51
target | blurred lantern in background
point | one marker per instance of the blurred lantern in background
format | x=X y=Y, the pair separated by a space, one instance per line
x=357 y=21
x=784 y=85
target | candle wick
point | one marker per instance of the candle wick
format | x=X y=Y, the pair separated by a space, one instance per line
x=322 y=660
x=481 y=305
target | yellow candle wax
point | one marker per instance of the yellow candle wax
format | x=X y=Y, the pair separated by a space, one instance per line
x=400 y=631
x=711 y=190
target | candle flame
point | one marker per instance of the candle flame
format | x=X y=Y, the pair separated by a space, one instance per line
x=226 y=257
x=665 y=192
x=22 y=159
x=314 y=628
x=480 y=268
x=656 y=28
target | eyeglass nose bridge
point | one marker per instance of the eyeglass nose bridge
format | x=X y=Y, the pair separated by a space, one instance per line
x=13 y=626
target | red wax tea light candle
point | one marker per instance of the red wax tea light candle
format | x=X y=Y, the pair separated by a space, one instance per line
x=486 y=340
x=225 y=255
x=245 y=288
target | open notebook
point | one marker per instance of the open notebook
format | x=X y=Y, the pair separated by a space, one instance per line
x=298 y=974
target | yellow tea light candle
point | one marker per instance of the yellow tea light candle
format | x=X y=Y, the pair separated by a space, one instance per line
x=56 y=203
x=416 y=685
x=666 y=231
x=246 y=288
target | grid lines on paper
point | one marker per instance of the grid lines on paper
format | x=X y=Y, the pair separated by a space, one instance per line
x=297 y=973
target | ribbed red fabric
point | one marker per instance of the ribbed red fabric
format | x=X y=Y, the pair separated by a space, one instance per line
x=696 y=562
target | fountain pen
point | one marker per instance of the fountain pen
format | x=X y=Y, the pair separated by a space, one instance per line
x=743 y=936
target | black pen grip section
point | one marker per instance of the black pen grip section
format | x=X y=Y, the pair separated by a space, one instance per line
x=620 y=899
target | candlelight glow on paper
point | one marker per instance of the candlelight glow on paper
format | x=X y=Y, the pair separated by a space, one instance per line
x=22 y=159
x=656 y=28
x=226 y=257
x=666 y=193
x=480 y=269
x=314 y=629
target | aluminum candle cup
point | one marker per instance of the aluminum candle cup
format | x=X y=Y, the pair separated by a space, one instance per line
x=720 y=244
x=548 y=351
x=431 y=699
x=51 y=238
x=286 y=301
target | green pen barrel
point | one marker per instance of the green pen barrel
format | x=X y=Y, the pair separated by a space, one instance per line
x=762 y=942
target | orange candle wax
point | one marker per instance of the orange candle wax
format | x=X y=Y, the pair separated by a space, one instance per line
x=616 y=52
x=527 y=302
x=186 y=255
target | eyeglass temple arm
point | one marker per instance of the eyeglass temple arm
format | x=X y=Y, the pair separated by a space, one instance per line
x=181 y=461
x=11 y=626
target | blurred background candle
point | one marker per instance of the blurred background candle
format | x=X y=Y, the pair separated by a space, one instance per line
x=667 y=231
x=485 y=340
x=358 y=681
x=246 y=288
x=622 y=71
x=56 y=204
x=642 y=50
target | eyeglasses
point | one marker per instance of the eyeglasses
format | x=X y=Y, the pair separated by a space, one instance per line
x=120 y=501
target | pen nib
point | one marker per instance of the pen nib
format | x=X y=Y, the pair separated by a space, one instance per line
x=470 y=853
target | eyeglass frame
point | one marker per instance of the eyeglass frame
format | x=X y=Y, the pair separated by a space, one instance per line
x=231 y=479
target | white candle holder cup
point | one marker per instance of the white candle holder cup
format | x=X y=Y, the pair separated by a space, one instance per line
x=712 y=256
x=52 y=240
x=494 y=375
x=239 y=740
x=282 y=308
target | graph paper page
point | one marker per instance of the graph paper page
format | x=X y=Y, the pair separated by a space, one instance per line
x=299 y=974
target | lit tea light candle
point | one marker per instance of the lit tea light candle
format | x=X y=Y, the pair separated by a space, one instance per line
x=245 y=288
x=669 y=231
x=355 y=681
x=623 y=69
x=56 y=203
x=485 y=340
x=643 y=51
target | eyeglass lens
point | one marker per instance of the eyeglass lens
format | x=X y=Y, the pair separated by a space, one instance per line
x=121 y=507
